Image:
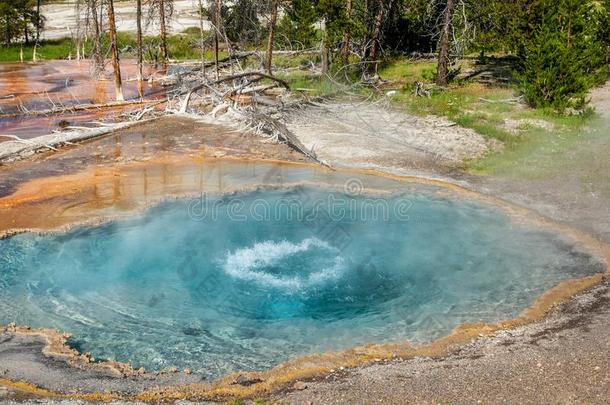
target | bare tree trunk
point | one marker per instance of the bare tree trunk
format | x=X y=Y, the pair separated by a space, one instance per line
x=442 y=70
x=365 y=38
x=163 y=30
x=325 y=51
x=377 y=32
x=272 y=23
x=79 y=31
x=98 y=58
x=216 y=32
x=346 y=34
x=201 y=38
x=118 y=86
x=325 y=59
x=139 y=39
x=37 y=21
x=7 y=30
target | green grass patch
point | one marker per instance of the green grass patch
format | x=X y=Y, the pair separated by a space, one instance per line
x=182 y=46
x=312 y=85
x=404 y=71
x=57 y=49
x=540 y=152
x=539 y=140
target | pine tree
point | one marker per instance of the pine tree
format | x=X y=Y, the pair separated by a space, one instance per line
x=296 y=27
x=561 y=61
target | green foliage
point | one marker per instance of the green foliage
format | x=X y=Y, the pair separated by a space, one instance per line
x=429 y=75
x=408 y=27
x=18 y=20
x=334 y=15
x=242 y=22
x=311 y=85
x=565 y=55
x=296 y=28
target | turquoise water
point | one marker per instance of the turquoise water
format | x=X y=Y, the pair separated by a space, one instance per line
x=243 y=282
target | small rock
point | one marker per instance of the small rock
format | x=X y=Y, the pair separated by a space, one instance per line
x=246 y=381
x=539 y=365
x=141 y=371
x=187 y=371
x=172 y=370
x=299 y=385
x=597 y=368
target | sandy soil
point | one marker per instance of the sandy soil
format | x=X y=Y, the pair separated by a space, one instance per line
x=358 y=134
x=600 y=99
x=61 y=18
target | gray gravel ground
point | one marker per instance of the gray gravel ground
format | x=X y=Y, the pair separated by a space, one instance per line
x=564 y=359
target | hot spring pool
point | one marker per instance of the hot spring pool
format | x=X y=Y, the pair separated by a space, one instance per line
x=246 y=281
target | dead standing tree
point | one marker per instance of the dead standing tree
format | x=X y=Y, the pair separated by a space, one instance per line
x=94 y=17
x=346 y=33
x=442 y=71
x=118 y=86
x=162 y=30
x=201 y=12
x=139 y=43
x=384 y=7
x=161 y=11
x=216 y=21
x=272 y=25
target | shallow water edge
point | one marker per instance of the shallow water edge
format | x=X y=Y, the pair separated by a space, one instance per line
x=67 y=196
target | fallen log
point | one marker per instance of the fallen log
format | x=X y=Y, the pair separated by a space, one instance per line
x=228 y=60
x=18 y=149
x=279 y=130
x=255 y=89
x=81 y=107
x=253 y=76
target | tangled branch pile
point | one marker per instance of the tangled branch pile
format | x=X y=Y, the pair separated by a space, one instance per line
x=251 y=101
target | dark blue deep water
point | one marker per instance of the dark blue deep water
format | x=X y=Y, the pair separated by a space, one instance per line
x=246 y=281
